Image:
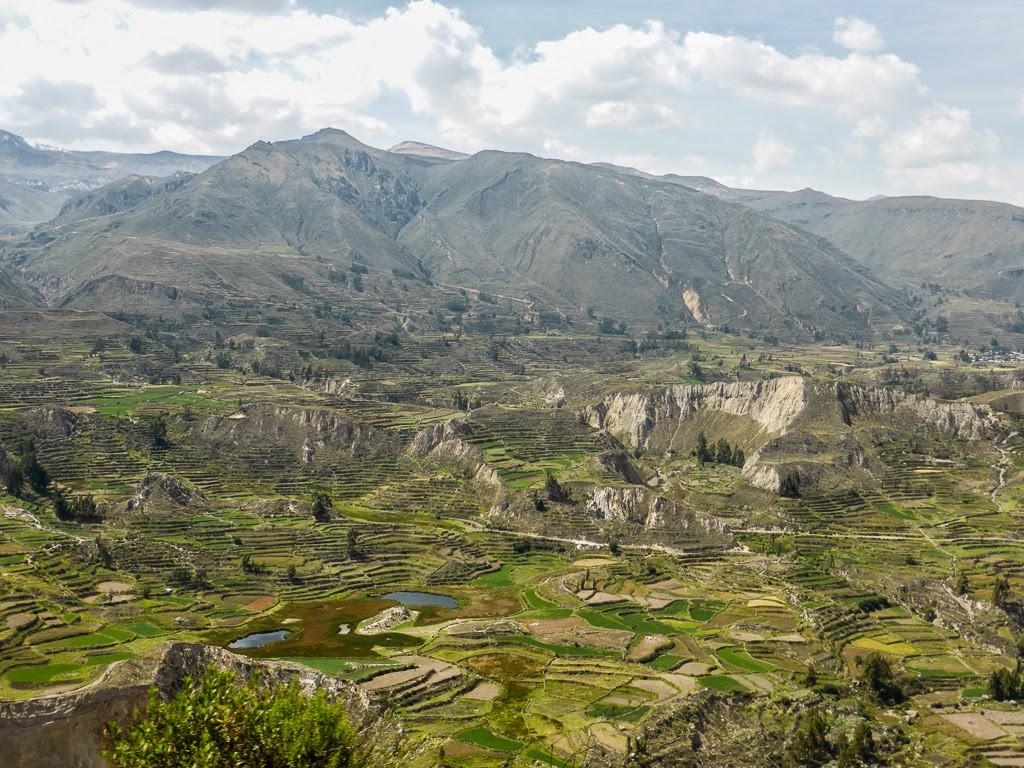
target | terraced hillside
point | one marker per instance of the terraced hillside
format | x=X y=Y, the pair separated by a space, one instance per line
x=528 y=567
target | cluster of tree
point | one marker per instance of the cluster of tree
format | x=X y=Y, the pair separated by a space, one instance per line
x=248 y=566
x=158 y=433
x=1001 y=592
x=877 y=677
x=322 y=505
x=1007 y=685
x=216 y=722
x=364 y=355
x=721 y=453
x=789 y=486
x=610 y=326
x=25 y=468
x=809 y=745
x=554 y=490
x=80 y=508
x=189 y=578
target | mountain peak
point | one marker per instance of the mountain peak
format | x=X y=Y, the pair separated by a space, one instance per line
x=11 y=141
x=337 y=137
x=421 y=149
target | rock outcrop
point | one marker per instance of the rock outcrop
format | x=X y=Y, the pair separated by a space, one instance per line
x=165 y=488
x=774 y=404
x=640 y=508
x=781 y=420
x=960 y=419
x=66 y=730
x=445 y=442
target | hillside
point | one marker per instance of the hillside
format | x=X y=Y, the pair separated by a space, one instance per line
x=567 y=237
x=35 y=182
x=637 y=249
x=971 y=245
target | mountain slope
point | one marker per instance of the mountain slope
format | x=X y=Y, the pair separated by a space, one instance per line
x=565 y=236
x=634 y=248
x=35 y=181
x=972 y=245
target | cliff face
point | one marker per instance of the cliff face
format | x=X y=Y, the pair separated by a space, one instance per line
x=295 y=425
x=640 y=508
x=774 y=404
x=66 y=731
x=786 y=418
x=963 y=420
x=446 y=443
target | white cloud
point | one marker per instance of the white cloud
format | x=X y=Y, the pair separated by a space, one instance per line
x=217 y=78
x=870 y=127
x=942 y=150
x=1020 y=106
x=854 y=85
x=624 y=114
x=943 y=133
x=857 y=35
x=770 y=153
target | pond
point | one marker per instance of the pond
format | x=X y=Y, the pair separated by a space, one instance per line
x=259 y=639
x=421 y=599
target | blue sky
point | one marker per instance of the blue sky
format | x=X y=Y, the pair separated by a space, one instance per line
x=855 y=98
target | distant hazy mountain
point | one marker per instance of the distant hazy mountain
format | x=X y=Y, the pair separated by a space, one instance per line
x=562 y=234
x=975 y=245
x=419 y=149
x=35 y=182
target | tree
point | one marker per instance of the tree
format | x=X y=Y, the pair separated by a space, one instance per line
x=860 y=750
x=1004 y=685
x=352 y=544
x=723 y=452
x=14 y=479
x=61 y=508
x=158 y=433
x=35 y=473
x=322 y=505
x=1001 y=591
x=877 y=675
x=554 y=489
x=963 y=586
x=808 y=747
x=215 y=722
x=811 y=676
x=702 y=451
x=789 y=487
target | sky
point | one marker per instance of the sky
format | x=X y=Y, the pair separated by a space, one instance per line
x=853 y=98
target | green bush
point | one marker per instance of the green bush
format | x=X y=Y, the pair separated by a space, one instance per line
x=216 y=722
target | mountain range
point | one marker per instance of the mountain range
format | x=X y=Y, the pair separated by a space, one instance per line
x=36 y=181
x=595 y=239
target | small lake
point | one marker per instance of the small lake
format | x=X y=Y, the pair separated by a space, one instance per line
x=259 y=639
x=421 y=599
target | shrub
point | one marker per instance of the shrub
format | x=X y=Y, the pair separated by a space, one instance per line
x=215 y=722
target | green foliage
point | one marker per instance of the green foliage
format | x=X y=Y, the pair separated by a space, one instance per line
x=721 y=453
x=14 y=479
x=158 y=433
x=877 y=676
x=1005 y=685
x=554 y=489
x=861 y=750
x=37 y=476
x=322 y=504
x=963 y=586
x=790 y=485
x=215 y=722
x=1001 y=591
x=808 y=747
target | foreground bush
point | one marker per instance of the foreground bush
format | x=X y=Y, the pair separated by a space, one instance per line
x=215 y=722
